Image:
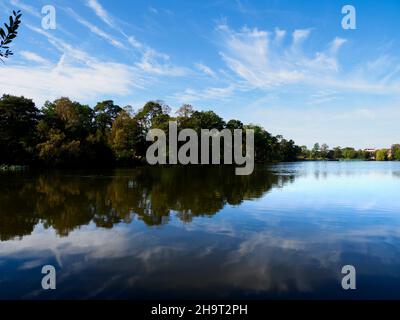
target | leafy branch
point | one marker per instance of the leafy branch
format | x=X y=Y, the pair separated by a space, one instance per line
x=8 y=34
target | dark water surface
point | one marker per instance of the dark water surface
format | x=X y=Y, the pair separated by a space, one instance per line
x=284 y=232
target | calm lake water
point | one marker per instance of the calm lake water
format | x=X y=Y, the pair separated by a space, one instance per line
x=283 y=232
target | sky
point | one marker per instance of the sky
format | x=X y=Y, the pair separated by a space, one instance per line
x=286 y=65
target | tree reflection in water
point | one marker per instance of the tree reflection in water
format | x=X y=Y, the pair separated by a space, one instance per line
x=66 y=201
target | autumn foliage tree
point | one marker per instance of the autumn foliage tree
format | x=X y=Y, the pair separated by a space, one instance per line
x=66 y=133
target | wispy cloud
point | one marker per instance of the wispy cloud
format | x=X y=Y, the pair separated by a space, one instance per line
x=299 y=36
x=211 y=93
x=101 y=12
x=262 y=60
x=157 y=63
x=26 y=8
x=31 y=56
x=152 y=61
x=153 y=10
x=77 y=74
x=205 y=69
x=84 y=83
x=96 y=30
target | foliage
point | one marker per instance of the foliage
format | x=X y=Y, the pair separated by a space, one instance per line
x=8 y=34
x=381 y=155
x=125 y=139
x=348 y=153
x=65 y=133
x=395 y=152
x=18 y=135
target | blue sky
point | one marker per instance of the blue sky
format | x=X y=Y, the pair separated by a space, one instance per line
x=286 y=65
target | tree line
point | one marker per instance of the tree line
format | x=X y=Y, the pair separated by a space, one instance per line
x=323 y=152
x=66 y=133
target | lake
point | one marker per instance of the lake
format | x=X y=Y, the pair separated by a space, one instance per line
x=284 y=232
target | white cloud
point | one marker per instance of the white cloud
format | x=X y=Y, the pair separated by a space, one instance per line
x=248 y=54
x=80 y=83
x=212 y=93
x=253 y=56
x=62 y=46
x=152 y=61
x=94 y=29
x=279 y=34
x=300 y=35
x=26 y=8
x=336 y=44
x=31 y=56
x=135 y=43
x=205 y=69
x=157 y=63
x=153 y=10
x=100 y=12
x=77 y=75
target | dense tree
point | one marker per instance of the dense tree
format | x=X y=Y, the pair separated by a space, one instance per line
x=67 y=133
x=382 y=155
x=18 y=136
x=234 y=124
x=396 y=152
x=349 y=153
x=264 y=143
x=126 y=139
x=64 y=132
x=337 y=153
x=207 y=120
x=324 y=150
x=289 y=151
x=154 y=114
x=105 y=113
x=186 y=111
x=315 y=151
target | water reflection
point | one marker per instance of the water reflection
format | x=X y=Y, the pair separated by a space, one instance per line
x=284 y=232
x=68 y=201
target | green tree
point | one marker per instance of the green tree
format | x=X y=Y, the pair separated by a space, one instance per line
x=186 y=111
x=234 y=124
x=337 y=153
x=18 y=119
x=349 y=153
x=105 y=113
x=288 y=150
x=305 y=153
x=324 y=149
x=315 y=151
x=381 y=155
x=64 y=131
x=207 y=120
x=125 y=139
x=263 y=144
x=184 y=117
x=396 y=152
x=154 y=114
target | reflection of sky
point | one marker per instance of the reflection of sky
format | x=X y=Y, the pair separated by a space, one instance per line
x=291 y=243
